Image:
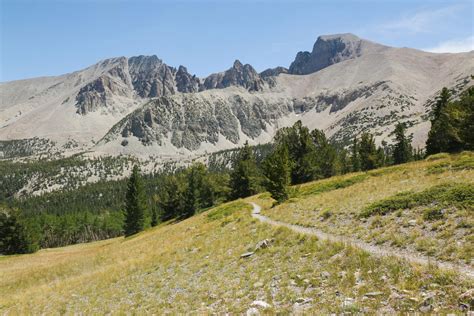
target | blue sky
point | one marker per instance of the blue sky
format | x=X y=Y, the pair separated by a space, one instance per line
x=47 y=37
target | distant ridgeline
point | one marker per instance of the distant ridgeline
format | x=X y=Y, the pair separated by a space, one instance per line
x=53 y=203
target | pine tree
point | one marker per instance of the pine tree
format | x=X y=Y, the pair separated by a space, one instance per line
x=466 y=103
x=192 y=196
x=381 y=158
x=244 y=178
x=355 y=155
x=276 y=168
x=367 y=152
x=135 y=204
x=445 y=133
x=325 y=155
x=342 y=163
x=154 y=217
x=301 y=151
x=441 y=102
x=171 y=197
x=14 y=236
x=402 y=151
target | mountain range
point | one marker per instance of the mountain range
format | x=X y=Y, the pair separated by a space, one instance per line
x=142 y=106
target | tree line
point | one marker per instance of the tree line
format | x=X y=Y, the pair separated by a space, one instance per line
x=296 y=155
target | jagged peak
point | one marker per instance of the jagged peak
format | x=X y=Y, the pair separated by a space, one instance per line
x=237 y=64
x=144 y=59
x=328 y=50
x=182 y=69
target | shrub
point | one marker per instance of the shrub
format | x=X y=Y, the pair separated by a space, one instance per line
x=326 y=214
x=400 y=201
x=433 y=214
x=457 y=194
x=325 y=186
x=437 y=156
x=226 y=210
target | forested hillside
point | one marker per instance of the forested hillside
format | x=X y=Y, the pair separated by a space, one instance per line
x=55 y=204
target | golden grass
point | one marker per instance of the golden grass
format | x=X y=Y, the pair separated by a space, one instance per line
x=337 y=211
x=195 y=265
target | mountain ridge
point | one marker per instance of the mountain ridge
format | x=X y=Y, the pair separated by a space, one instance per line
x=345 y=85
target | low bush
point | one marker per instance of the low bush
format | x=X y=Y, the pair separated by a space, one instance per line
x=226 y=210
x=326 y=214
x=437 y=156
x=325 y=186
x=458 y=194
x=432 y=214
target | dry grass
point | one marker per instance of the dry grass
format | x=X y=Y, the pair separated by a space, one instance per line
x=195 y=265
x=338 y=211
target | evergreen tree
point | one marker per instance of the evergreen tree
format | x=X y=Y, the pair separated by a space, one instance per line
x=355 y=159
x=441 y=102
x=418 y=154
x=134 y=204
x=244 y=178
x=154 y=217
x=381 y=159
x=445 y=132
x=367 y=152
x=342 y=163
x=301 y=151
x=325 y=155
x=193 y=196
x=402 y=151
x=14 y=236
x=466 y=103
x=276 y=168
x=171 y=197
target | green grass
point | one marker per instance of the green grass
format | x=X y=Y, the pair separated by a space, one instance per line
x=329 y=185
x=227 y=209
x=457 y=194
x=465 y=161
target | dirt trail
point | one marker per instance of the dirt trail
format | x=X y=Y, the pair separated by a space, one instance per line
x=374 y=250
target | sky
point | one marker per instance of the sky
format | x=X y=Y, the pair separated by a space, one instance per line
x=53 y=37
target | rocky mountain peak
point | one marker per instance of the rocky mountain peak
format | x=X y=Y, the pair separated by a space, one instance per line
x=271 y=72
x=151 y=77
x=237 y=64
x=238 y=75
x=185 y=82
x=327 y=50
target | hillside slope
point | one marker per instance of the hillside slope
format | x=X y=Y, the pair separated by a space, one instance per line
x=141 y=106
x=425 y=208
x=223 y=260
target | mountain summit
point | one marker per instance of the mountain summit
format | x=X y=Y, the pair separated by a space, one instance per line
x=142 y=106
x=328 y=50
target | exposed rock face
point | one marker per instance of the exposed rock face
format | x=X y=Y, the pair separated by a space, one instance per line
x=148 y=77
x=272 y=72
x=167 y=109
x=91 y=96
x=151 y=77
x=239 y=75
x=96 y=94
x=327 y=50
x=185 y=82
x=191 y=119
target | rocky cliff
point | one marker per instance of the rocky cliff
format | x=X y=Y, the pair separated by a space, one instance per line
x=238 y=75
x=329 y=50
x=142 y=106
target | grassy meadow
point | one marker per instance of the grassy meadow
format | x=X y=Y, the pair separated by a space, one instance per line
x=196 y=264
x=426 y=207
